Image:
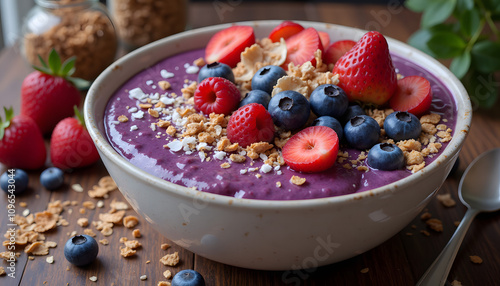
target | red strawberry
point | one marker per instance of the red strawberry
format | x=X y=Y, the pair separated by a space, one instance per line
x=285 y=30
x=302 y=46
x=366 y=72
x=227 y=45
x=249 y=124
x=313 y=149
x=21 y=142
x=414 y=94
x=47 y=95
x=325 y=39
x=336 y=50
x=71 y=145
x=216 y=94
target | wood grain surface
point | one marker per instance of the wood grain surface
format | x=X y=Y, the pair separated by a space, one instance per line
x=399 y=261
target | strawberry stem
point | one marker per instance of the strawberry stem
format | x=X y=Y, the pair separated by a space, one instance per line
x=79 y=116
x=9 y=114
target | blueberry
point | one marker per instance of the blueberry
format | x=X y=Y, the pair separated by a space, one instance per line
x=386 y=156
x=81 y=250
x=362 y=132
x=17 y=179
x=289 y=109
x=330 y=100
x=256 y=96
x=402 y=125
x=216 y=69
x=352 y=110
x=266 y=77
x=329 y=122
x=52 y=178
x=188 y=277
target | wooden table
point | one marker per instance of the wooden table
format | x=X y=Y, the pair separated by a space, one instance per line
x=399 y=261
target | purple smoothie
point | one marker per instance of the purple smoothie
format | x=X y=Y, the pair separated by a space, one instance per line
x=143 y=147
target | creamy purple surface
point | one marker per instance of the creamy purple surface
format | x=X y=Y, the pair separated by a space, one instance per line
x=141 y=147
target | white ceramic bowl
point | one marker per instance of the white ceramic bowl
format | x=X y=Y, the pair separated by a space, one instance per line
x=270 y=235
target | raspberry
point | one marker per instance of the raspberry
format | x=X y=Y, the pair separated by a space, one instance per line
x=249 y=124
x=218 y=95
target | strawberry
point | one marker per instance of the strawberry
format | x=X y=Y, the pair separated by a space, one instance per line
x=366 y=72
x=313 y=149
x=218 y=95
x=414 y=94
x=302 y=46
x=285 y=30
x=227 y=45
x=48 y=94
x=325 y=39
x=336 y=50
x=249 y=124
x=21 y=142
x=71 y=145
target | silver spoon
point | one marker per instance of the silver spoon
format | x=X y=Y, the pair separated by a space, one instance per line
x=479 y=190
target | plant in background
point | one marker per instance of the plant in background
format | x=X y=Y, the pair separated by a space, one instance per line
x=464 y=31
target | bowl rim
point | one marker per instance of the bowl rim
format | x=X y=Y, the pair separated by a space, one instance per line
x=441 y=72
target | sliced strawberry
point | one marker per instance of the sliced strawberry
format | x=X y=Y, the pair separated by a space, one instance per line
x=366 y=72
x=336 y=50
x=313 y=149
x=218 y=95
x=414 y=94
x=227 y=45
x=301 y=47
x=325 y=39
x=285 y=30
x=249 y=124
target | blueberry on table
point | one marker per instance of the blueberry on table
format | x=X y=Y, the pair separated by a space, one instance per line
x=215 y=69
x=331 y=122
x=352 y=110
x=386 y=156
x=289 y=109
x=329 y=100
x=362 y=132
x=402 y=125
x=267 y=77
x=81 y=250
x=14 y=181
x=188 y=277
x=256 y=96
x=52 y=178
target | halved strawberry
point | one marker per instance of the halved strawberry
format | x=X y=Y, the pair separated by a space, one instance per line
x=325 y=39
x=285 y=30
x=227 y=45
x=302 y=46
x=313 y=149
x=336 y=50
x=414 y=94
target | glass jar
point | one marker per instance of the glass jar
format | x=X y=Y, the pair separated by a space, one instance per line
x=140 y=22
x=80 y=28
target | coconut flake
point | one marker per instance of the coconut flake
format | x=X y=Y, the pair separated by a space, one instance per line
x=166 y=74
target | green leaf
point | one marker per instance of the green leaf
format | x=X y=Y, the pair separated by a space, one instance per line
x=482 y=88
x=460 y=65
x=417 y=5
x=54 y=62
x=419 y=40
x=42 y=62
x=486 y=56
x=470 y=21
x=446 y=45
x=79 y=83
x=492 y=5
x=68 y=67
x=9 y=114
x=464 y=5
x=437 y=12
x=79 y=116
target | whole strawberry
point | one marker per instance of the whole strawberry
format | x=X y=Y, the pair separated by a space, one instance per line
x=366 y=72
x=47 y=94
x=21 y=142
x=71 y=145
